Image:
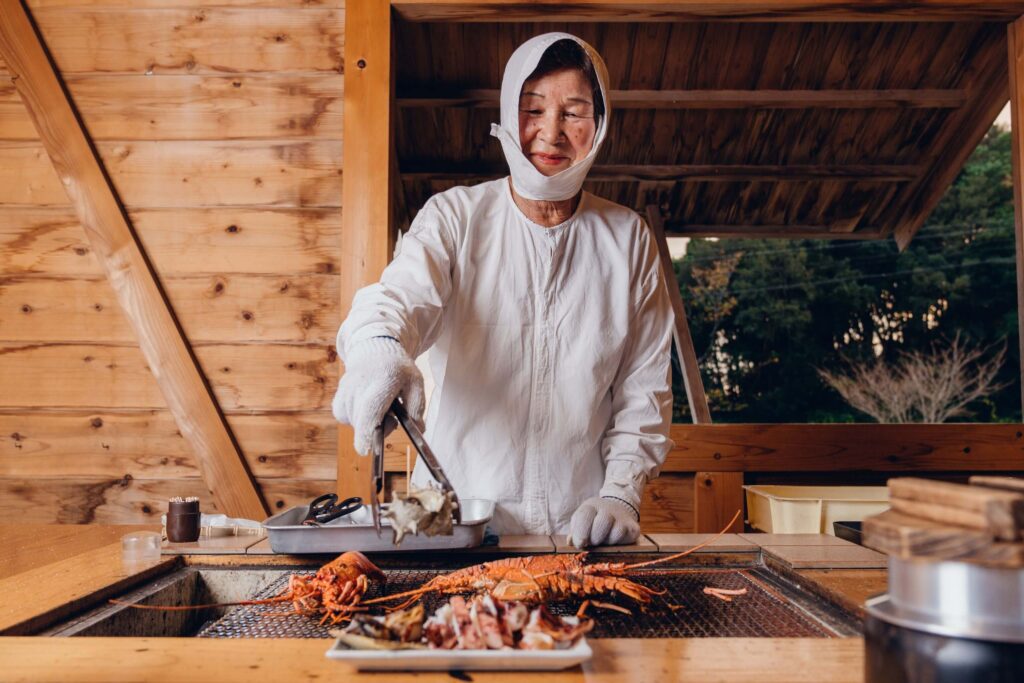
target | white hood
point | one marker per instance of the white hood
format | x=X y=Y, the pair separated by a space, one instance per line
x=527 y=180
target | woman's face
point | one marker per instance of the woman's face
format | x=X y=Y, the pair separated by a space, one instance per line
x=556 y=120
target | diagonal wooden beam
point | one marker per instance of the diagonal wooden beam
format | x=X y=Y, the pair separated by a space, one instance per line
x=1015 y=45
x=716 y=495
x=695 y=395
x=129 y=271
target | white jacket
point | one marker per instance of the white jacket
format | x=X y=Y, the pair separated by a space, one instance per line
x=549 y=349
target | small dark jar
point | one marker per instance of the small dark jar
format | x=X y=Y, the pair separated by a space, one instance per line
x=183 y=520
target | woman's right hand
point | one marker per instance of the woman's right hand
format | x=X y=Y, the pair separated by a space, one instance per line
x=376 y=372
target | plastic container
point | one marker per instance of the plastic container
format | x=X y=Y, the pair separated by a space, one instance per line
x=140 y=547
x=811 y=509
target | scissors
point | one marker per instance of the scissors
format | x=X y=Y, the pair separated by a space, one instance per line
x=325 y=508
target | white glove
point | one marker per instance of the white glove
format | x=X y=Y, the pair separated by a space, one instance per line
x=376 y=372
x=604 y=521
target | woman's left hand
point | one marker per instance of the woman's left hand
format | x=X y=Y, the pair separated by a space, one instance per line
x=604 y=521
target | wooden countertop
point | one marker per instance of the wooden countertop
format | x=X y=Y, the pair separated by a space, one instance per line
x=703 y=660
x=49 y=571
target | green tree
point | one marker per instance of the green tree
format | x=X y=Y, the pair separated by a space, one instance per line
x=767 y=314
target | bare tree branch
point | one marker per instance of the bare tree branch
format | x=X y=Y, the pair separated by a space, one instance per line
x=921 y=387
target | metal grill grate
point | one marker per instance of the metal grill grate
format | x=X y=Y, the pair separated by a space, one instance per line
x=762 y=612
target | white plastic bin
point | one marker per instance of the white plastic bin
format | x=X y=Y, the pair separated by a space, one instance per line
x=811 y=509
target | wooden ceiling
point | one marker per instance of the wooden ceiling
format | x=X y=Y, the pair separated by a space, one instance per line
x=836 y=130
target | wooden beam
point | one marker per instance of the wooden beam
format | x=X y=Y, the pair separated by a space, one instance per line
x=366 y=236
x=1015 y=44
x=713 y=493
x=987 y=88
x=801 y=232
x=846 y=448
x=703 y=10
x=695 y=395
x=690 y=172
x=132 y=276
x=926 y=98
x=716 y=498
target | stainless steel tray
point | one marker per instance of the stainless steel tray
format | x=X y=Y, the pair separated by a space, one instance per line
x=287 y=534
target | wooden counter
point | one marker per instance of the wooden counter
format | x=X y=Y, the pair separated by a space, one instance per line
x=701 y=660
x=47 y=572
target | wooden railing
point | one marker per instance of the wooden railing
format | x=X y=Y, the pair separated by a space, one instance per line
x=718 y=455
x=700 y=486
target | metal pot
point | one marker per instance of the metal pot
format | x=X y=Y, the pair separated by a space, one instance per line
x=946 y=621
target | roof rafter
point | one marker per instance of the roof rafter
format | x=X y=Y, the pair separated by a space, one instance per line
x=705 y=10
x=720 y=99
x=691 y=172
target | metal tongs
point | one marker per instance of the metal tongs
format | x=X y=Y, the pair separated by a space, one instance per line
x=398 y=412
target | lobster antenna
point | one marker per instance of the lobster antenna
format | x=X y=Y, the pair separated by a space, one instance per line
x=182 y=608
x=693 y=549
x=388 y=598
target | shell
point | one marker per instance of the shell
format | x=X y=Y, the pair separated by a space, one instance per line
x=425 y=511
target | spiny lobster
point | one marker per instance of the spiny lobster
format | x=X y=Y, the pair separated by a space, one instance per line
x=542 y=578
x=335 y=590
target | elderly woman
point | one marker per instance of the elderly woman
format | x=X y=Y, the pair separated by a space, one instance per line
x=546 y=318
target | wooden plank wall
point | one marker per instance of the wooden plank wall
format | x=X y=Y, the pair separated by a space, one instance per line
x=221 y=129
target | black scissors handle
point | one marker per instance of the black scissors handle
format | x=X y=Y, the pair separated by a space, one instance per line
x=326 y=507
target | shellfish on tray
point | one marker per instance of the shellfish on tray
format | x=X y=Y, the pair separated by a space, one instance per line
x=426 y=511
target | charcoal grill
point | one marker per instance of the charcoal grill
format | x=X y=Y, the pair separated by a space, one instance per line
x=772 y=607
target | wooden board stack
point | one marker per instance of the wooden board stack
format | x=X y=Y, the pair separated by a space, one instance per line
x=980 y=522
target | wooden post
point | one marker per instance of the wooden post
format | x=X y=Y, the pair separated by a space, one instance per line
x=695 y=395
x=1015 y=42
x=716 y=495
x=367 y=240
x=716 y=498
x=133 y=278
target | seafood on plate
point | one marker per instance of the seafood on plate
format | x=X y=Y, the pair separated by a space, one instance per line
x=480 y=623
x=402 y=630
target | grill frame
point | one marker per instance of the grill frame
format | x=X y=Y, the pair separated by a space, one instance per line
x=775 y=606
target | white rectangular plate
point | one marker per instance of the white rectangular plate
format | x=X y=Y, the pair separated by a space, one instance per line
x=463 y=660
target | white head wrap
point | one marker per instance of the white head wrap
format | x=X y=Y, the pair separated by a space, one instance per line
x=527 y=180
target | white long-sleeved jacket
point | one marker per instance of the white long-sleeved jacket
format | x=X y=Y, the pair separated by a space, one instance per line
x=549 y=348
